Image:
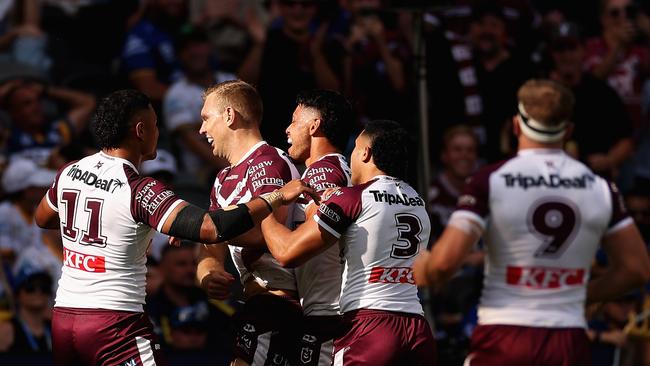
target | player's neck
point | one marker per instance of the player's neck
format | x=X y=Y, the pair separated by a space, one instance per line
x=319 y=148
x=457 y=182
x=369 y=172
x=526 y=143
x=241 y=143
x=126 y=154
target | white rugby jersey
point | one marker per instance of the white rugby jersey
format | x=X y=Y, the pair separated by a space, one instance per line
x=381 y=225
x=319 y=279
x=263 y=169
x=544 y=214
x=107 y=212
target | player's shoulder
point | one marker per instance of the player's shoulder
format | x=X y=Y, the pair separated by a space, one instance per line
x=267 y=155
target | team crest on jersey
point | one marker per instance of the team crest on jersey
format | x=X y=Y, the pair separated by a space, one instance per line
x=306 y=355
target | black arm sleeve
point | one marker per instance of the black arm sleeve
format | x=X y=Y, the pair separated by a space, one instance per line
x=232 y=222
x=187 y=224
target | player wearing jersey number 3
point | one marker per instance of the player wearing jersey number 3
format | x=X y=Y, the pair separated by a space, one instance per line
x=106 y=213
x=380 y=224
x=542 y=215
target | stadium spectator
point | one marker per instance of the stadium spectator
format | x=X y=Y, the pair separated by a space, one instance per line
x=603 y=134
x=318 y=133
x=183 y=102
x=543 y=216
x=108 y=213
x=182 y=316
x=378 y=62
x=637 y=201
x=34 y=134
x=296 y=56
x=617 y=55
x=21 y=38
x=148 y=56
x=451 y=303
x=380 y=224
x=23 y=244
x=31 y=323
x=231 y=116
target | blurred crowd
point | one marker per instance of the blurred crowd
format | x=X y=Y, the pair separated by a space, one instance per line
x=58 y=57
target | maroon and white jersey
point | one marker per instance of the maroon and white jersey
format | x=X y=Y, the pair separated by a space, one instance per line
x=263 y=169
x=381 y=225
x=107 y=212
x=544 y=214
x=319 y=279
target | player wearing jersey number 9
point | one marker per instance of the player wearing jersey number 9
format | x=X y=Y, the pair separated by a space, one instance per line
x=542 y=215
x=107 y=213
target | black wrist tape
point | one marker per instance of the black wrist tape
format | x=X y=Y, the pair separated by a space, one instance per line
x=187 y=224
x=232 y=222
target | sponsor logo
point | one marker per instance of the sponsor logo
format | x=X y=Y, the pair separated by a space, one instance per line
x=231 y=177
x=84 y=262
x=329 y=213
x=466 y=200
x=319 y=171
x=306 y=354
x=91 y=179
x=268 y=181
x=254 y=168
x=552 y=181
x=278 y=359
x=396 y=199
x=545 y=277
x=150 y=199
x=391 y=275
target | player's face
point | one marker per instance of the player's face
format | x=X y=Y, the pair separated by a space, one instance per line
x=460 y=156
x=361 y=146
x=151 y=134
x=213 y=125
x=298 y=135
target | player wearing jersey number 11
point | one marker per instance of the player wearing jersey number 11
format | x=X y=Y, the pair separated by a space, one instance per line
x=542 y=215
x=107 y=213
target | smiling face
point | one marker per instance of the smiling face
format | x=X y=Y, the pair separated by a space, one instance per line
x=213 y=125
x=460 y=155
x=298 y=132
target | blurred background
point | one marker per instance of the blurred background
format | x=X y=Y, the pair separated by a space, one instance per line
x=447 y=70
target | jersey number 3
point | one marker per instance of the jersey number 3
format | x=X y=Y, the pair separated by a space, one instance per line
x=409 y=228
x=555 y=222
x=92 y=234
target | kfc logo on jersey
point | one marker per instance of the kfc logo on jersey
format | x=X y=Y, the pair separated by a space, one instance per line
x=391 y=275
x=84 y=262
x=545 y=277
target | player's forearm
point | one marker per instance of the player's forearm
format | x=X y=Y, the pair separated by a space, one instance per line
x=613 y=283
x=211 y=258
x=278 y=240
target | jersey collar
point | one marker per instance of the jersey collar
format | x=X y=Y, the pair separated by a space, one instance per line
x=540 y=151
x=115 y=158
x=250 y=152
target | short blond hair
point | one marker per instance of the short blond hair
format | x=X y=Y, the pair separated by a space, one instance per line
x=546 y=101
x=239 y=95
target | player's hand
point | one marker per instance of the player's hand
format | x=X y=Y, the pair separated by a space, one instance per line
x=217 y=284
x=174 y=241
x=420 y=269
x=292 y=190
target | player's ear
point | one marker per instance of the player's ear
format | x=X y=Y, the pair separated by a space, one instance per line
x=314 y=126
x=366 y=155
x=139 y=130
x=570 y=126
x=230 y=115
x=516 y=129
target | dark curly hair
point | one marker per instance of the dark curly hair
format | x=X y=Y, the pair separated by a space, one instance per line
x=335 y=113
x=389 y=145
x=112 y=120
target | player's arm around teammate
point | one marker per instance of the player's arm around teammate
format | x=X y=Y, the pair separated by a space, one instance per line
x=193 y=223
